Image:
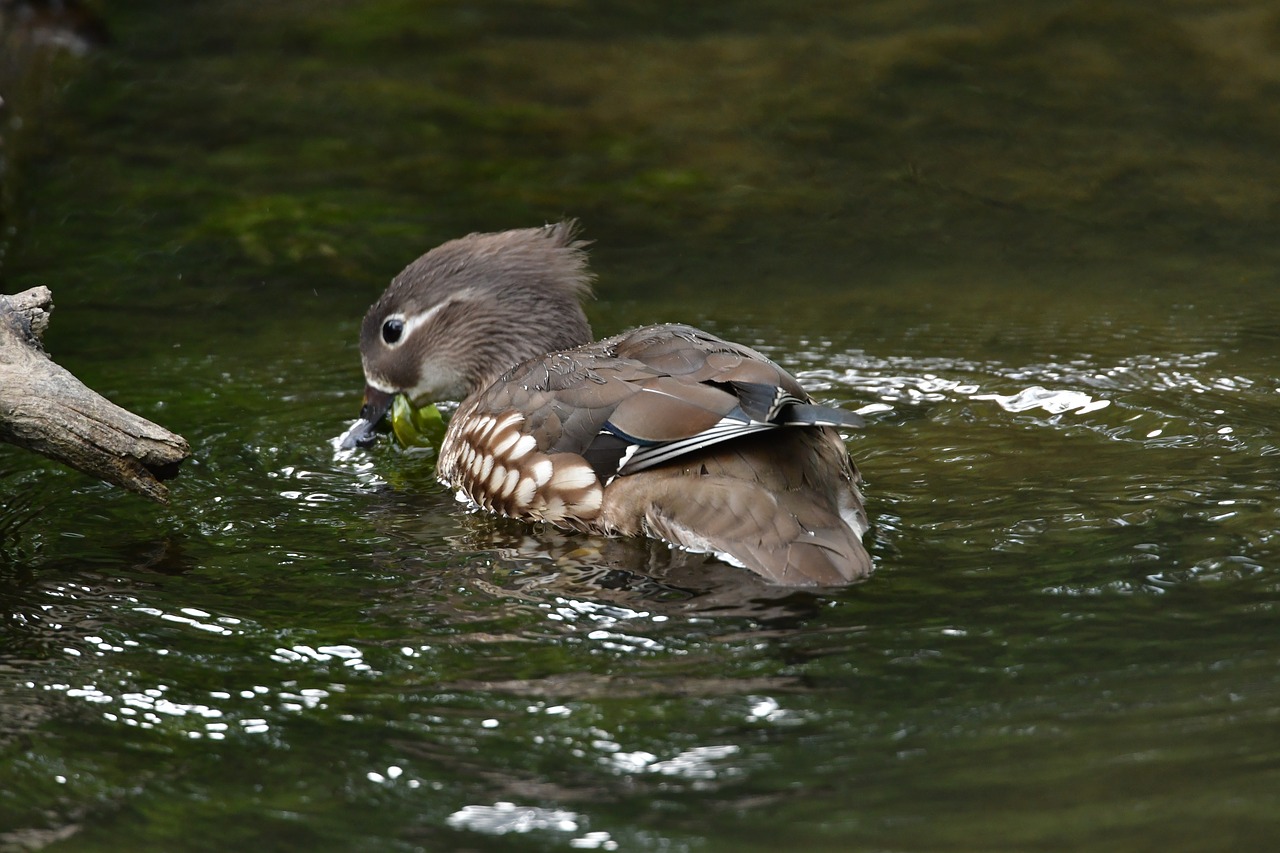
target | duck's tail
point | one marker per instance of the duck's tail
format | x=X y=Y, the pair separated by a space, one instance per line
x=785 y=505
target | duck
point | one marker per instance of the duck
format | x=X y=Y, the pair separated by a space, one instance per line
x=664 y=431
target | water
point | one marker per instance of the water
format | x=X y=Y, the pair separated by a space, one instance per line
x=1035 y=244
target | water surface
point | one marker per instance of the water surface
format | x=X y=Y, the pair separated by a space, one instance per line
x=1035 y=243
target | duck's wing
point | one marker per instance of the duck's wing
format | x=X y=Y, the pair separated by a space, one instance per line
x=629 y=435
x=692 y=391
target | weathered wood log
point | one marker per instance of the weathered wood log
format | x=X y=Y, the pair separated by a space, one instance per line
x=45 y=409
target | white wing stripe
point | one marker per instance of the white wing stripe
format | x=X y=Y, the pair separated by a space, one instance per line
x=647 y=457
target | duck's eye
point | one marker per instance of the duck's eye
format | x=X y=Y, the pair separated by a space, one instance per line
x=392 y=330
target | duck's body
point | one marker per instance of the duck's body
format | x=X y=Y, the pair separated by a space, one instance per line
x=664 y=431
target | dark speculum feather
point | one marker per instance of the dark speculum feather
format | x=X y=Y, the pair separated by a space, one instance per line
x=606 y=453
x=761 y=402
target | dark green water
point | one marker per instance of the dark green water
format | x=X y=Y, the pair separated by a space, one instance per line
x=928 y=210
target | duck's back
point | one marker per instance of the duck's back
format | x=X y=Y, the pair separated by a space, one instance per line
x=670 y=432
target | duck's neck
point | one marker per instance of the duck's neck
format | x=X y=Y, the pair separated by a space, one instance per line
x=504 y=345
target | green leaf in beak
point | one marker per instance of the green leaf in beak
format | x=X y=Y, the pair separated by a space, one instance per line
x=416 y=427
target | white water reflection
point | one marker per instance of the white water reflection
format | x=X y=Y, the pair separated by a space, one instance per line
x=1168 y=400
x=697 y=763
x=214 y=714
x=895 y=388
x=898 y=379
x=766 y=709
x=1053 y=402
x=606 y=621
x=224 y=713
x=351 y=657
x=197 y=619
x=503 y=817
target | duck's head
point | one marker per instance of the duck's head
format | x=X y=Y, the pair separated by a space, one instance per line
x=466 y=312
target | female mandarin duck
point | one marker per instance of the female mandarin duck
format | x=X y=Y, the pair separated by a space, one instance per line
x=664 y=431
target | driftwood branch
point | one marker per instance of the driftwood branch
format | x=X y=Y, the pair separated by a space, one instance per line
x=45 y=409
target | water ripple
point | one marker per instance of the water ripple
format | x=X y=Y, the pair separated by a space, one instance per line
x=1175 y=400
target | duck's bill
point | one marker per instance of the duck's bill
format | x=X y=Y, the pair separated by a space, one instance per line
x=364 y=432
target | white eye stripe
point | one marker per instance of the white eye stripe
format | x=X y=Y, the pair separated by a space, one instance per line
x=417 y=320
x=410 y=324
